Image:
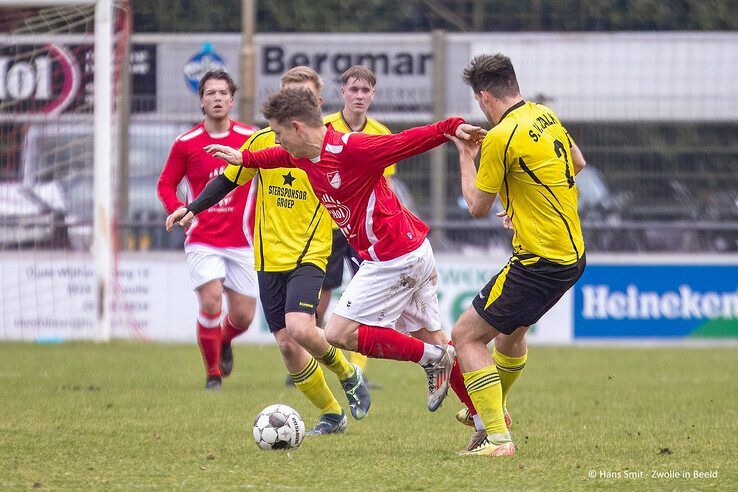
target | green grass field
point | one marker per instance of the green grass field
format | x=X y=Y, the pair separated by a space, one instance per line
x=136 y=416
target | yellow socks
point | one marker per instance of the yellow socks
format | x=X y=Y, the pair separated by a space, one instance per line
x=509 y=369
x=486 y=394
x=337 y=362
x=311 y=382
x=359 y=359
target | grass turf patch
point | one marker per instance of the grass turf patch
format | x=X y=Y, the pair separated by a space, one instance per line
x=127 y=415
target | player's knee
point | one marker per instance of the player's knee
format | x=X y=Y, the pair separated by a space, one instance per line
x=241 y=320
x=336 y=336
x=460 y=335
x=287 y=346
x=299 y=325
x=210 y=304
x=512 y=343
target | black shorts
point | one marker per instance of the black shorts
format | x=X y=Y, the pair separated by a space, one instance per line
x=340 y=251
x=521 y=294
x=296 y=290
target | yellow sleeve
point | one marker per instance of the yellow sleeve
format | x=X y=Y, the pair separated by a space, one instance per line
x=492 y=160
x=262 y=139
x=391 y=171
x=239 y=174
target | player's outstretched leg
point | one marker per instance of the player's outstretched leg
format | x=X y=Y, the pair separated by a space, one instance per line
x=437 y=360
x=386 y=343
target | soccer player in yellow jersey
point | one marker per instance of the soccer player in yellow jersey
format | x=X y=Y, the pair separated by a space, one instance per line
x=529 y=160
x=292 y=241
x=357 y=90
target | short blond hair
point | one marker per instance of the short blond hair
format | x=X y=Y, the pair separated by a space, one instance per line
x=301 y=74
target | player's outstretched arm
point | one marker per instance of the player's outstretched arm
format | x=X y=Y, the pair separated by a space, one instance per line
x=385 y=150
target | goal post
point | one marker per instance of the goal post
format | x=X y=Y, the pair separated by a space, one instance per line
x=105 y=157
x=69 y=22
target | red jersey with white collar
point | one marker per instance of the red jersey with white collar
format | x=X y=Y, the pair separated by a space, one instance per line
x=187 y=160
x=347 y=179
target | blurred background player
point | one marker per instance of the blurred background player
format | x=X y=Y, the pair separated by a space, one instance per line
x=357 y=89
x=533 y=155
x=292 y=244
x=218 y=246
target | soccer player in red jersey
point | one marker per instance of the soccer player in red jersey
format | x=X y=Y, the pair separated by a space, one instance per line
x=219 y=256
x=394 y=293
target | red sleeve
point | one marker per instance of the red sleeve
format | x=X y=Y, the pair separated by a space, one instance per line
x=173 y=172
x=270 y=158
x=381 y=151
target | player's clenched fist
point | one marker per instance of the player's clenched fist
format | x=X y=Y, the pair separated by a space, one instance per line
x=182 y=216
x=228 y=154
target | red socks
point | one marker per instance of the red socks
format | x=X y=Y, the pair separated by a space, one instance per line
x=209 y=338
x=457 y=384
x=230 y=331
x=386 y=343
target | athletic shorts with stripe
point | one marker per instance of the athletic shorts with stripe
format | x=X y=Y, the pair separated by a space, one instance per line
x=296 y=290
x=524 y=290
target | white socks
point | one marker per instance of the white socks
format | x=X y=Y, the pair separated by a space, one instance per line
x=431 y=354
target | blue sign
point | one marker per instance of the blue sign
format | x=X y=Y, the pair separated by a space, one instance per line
x=201 y=62
x=656 y=301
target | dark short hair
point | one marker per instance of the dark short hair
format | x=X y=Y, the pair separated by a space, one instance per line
x=494 y=74
x=291 y=104
x=217 y=74
x=359 y=72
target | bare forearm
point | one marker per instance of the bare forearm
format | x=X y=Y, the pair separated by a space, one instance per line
x=468 y=178
x=578 y=159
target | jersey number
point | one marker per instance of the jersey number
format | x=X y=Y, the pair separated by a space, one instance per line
x=561 y=152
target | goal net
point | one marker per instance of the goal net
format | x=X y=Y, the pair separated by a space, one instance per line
x=60 y=71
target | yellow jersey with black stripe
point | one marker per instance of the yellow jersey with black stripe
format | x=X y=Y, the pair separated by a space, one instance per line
x=526 y=158
x=291 y=226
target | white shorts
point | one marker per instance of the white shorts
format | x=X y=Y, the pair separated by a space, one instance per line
x=234 y=265
x=401 y=293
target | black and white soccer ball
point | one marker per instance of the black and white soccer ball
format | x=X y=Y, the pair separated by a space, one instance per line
x=278 y=427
